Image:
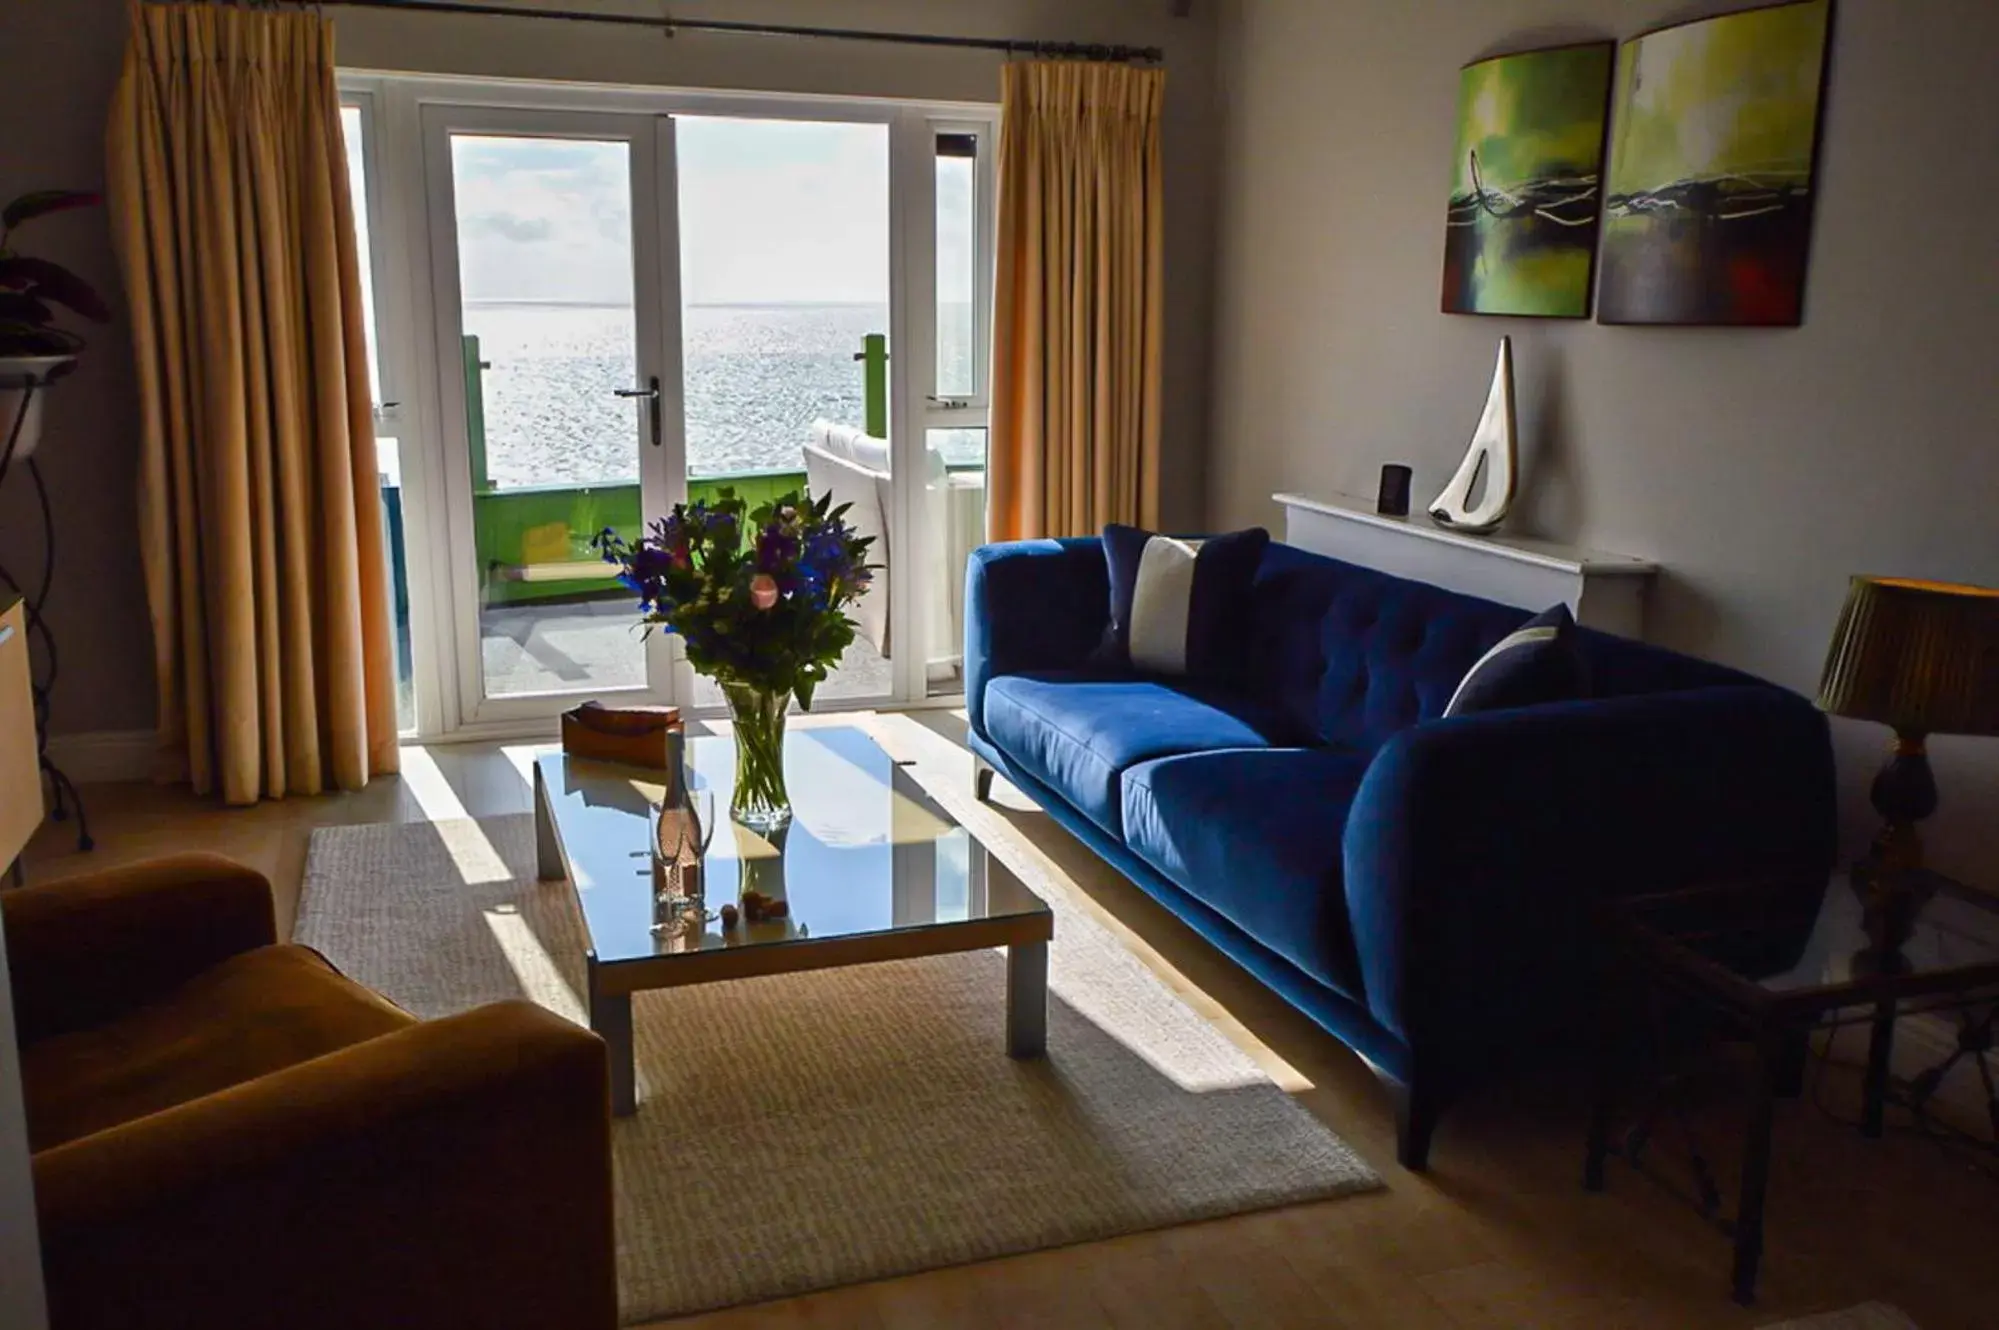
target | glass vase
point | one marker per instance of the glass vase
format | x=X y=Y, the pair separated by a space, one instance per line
x=760 y=801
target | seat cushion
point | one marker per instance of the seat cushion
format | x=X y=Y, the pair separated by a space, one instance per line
x=1255 y=835
x=256 y=1013
x=1076 y=734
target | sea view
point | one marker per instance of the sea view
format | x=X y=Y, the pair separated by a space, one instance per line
x=757 y=376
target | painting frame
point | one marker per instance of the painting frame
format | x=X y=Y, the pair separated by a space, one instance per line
x=1610 y=304
x=1458 y=295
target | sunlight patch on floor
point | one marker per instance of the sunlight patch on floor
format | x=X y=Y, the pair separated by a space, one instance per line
x=534 y=969
x=521 y=757
x=1011 y=827
x=462 y=837
x=426 y=783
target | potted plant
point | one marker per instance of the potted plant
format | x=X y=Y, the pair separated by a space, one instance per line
x=759 y=598
x=34 y=351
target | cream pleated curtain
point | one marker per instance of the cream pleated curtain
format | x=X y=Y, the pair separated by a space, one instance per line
x=259 y=516
x=1076 y=305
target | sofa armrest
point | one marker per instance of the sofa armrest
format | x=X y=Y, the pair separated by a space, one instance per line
x=457 y=1172
x=1476 y=845
x=1031 y=605
x=85 y=949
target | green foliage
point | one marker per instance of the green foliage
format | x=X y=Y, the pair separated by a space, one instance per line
x=757 y=595
x=30 y=286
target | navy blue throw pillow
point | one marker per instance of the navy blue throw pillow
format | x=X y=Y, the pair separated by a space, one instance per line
x=1541 y=661
x=1180 y=607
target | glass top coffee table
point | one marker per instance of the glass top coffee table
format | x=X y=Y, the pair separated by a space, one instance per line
x=871 y=869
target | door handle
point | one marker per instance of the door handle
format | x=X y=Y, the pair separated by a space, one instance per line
x=651 y=395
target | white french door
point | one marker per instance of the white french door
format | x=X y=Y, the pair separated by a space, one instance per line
x=555 y=271
x=617 y=300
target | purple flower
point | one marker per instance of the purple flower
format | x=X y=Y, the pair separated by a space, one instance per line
x=775 y=548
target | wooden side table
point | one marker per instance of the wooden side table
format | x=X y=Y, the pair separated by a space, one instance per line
x=1701 y=948
x=20 y=765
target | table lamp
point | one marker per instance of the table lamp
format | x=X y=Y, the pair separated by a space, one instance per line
x=1922 y=657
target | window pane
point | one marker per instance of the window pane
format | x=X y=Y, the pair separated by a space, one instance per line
x=954 y=510
x=545 y=256
x=357 y=190
x=388 y=460
x=957 y=266
x=784 y=256
x=388 y=451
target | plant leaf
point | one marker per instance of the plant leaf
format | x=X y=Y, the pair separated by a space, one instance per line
x=22 y=339
x=18 y=307
x=44 y=201
x=52 y=281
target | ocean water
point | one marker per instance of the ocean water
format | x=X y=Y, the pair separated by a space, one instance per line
x=757 y=376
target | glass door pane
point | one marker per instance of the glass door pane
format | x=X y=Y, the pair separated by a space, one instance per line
x=959 y=345
x=784 y=265
x=952 y=507
x=361 y=184
x=557 y=412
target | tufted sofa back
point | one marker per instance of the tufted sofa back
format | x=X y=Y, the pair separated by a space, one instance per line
x=1354 y=655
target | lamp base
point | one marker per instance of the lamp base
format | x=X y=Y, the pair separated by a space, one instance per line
x=1889 y=877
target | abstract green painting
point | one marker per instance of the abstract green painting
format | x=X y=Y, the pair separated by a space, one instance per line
x=1521 y=235
x=1708 y=218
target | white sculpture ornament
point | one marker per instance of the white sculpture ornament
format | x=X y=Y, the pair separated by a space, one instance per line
x=1495 y=444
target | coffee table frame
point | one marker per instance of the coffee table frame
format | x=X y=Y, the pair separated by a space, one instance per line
x=1025 y=936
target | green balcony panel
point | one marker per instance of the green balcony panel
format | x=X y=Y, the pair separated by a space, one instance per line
x=533 y=542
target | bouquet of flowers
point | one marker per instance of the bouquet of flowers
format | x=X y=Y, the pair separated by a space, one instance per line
x=758 y=596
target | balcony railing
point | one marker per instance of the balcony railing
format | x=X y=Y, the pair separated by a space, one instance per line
x=533 y=546
x=533 y=542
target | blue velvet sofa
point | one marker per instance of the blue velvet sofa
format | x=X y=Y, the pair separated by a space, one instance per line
x=1419 y=886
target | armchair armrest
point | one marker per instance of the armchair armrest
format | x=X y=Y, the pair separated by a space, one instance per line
x=1031 y=605
x=1476 y=845
x=457 y=1172
x=84 y=949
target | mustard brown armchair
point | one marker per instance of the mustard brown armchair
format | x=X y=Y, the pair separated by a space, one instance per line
x=228 y=1132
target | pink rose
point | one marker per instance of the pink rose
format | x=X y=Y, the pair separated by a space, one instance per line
x=763 y=591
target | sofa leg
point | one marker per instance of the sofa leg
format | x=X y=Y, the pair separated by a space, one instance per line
x=982 y=779
x=1416 y=1112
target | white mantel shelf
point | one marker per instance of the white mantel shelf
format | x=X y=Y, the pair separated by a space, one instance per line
x=1602 y=590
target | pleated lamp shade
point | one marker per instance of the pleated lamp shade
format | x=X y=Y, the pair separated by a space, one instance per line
x=1920 y=656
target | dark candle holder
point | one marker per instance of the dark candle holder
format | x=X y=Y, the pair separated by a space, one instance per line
x=1393 y=500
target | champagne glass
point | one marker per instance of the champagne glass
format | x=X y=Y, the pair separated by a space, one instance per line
x=701 y=803
x=681 y=835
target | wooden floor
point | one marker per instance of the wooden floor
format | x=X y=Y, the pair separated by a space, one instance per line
x=1498 y=1233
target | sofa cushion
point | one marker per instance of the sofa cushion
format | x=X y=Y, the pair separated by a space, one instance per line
x=1536 y=663
x=1077 y=733
x=255 y=1013
x=1356 y=655
x=1255 y=835
x=1180 y=608
x=1395 y=651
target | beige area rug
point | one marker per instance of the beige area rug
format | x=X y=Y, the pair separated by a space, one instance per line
x=1867 y=1316
x=807 y=1131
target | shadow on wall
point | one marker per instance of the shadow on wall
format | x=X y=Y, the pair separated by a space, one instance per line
x=1551 y=483
x=1678 y=611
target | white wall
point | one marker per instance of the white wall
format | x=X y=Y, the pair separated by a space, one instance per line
x=1761 y=468
x=58 y=63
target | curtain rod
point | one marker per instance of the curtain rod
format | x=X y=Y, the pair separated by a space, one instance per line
x=1059 y=50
